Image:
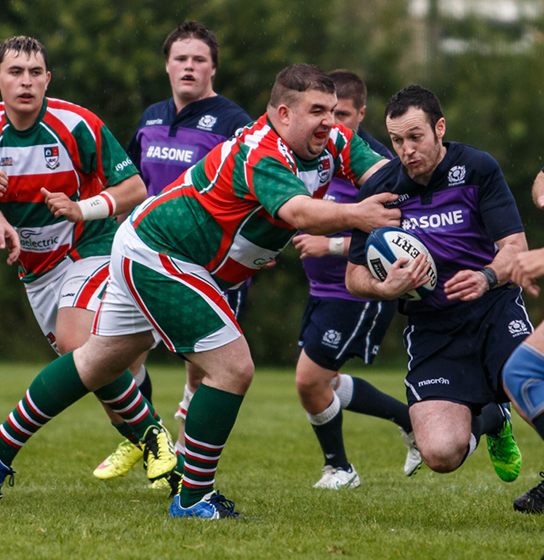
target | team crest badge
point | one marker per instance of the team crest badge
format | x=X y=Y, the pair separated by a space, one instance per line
x=207 y=122
x=324 y=170
x=457 y=174
x=6 y=161
x=332 y=338
x=51 y=155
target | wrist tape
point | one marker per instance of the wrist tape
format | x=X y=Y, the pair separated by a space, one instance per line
x=98 y=207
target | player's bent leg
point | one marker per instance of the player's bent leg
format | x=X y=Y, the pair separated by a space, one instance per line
x=211 y=417
x=129 y=451
x=313 y=384
x=442 y=430
x=100 y=360
x=324 y=410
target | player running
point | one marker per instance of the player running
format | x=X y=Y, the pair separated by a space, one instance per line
x=64 y=177
x=456 y=200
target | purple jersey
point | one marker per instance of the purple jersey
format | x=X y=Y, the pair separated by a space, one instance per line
x=459 y=215
x=327 y=274
x=167 y=143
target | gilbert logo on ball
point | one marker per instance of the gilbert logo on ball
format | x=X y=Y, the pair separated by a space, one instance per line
x=387 y=244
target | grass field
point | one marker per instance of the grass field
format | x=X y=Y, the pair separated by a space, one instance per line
x=57 y=510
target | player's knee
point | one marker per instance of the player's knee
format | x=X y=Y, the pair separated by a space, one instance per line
x=443 y=458
x=307 y=384
x=245 y=373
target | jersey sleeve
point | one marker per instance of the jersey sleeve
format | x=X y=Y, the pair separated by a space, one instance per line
x=355 y=157
x=497 y=204
x=273 y=184
x=103 y=155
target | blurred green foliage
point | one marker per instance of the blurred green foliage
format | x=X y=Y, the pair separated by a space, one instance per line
x=107 y=57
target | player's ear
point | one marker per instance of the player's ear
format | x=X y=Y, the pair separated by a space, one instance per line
x=440 y=128
x=361 y=115
x=48 y=80
x=284 y=114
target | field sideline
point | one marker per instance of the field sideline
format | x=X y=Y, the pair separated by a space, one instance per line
x=57 y=510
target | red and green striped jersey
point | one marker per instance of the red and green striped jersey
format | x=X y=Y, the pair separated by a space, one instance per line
x=222 y=212
x=68 y=149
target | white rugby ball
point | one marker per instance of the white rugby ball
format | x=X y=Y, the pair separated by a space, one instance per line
x=387 y=244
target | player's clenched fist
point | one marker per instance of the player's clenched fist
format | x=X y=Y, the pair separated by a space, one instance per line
x=60 y=205
x=526 y=268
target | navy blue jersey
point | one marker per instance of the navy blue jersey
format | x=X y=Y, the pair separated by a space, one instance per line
x=459 y=215
x=166 y=143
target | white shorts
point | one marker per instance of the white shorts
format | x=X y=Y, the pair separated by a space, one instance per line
x=71 y=284
x=178 y=300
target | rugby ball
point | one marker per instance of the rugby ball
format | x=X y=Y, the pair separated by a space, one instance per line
x=387 y=244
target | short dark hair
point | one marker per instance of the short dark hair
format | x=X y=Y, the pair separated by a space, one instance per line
x=418 y=97
x=25 y=44
x=299 y=78
x=193 y=30
x=349 y=86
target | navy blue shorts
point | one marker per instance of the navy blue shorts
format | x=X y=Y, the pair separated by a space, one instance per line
x=335 y=330
x=458 y=354
x=237 y=299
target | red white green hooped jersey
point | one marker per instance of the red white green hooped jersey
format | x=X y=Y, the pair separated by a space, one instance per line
x=222 y=212
x=68 y=149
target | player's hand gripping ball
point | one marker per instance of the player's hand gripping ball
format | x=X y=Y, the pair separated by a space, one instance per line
x=387 y=244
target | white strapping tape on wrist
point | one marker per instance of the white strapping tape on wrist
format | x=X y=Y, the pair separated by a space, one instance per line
x=98 y=207
x=336 y=245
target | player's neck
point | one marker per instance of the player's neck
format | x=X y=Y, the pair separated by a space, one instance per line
x=22 y=121
x=183 y=101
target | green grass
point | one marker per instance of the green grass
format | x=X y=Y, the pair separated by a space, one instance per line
x=57 y=510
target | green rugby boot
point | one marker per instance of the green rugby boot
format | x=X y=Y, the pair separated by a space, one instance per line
x=504 y=451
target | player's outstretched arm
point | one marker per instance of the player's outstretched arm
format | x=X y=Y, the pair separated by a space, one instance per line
x=113 y=201
x=9 y=239
x=468 y=285
x=323 y=217
x=538 y=190
x=400 y=279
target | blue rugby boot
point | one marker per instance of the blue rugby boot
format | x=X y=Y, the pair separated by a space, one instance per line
x=5 y=471
x=212 y=506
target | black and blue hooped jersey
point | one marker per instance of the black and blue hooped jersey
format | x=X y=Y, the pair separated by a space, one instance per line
x=166 y=143
x=466 y=207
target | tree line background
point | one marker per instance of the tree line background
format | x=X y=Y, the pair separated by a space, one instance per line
x=487 y=71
